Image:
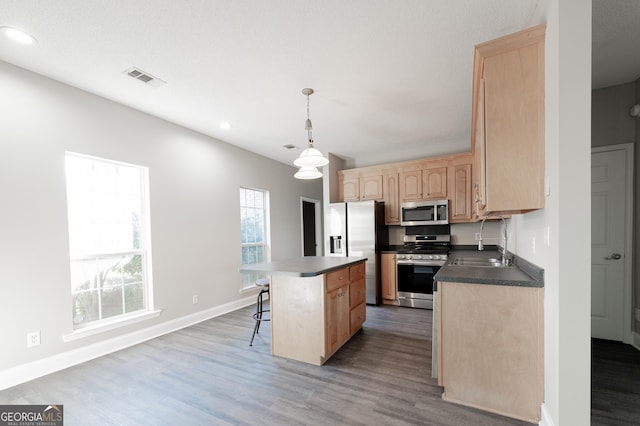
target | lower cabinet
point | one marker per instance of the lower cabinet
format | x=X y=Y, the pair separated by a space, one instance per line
x=490 y=347
x=345 y=306
x=389 y=278
x=337 y=321
x=357 y=304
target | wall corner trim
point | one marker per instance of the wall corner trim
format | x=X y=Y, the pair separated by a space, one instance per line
x=545 y=417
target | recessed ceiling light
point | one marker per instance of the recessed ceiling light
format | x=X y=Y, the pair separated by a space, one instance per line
x=225 y=125
x=17 y=35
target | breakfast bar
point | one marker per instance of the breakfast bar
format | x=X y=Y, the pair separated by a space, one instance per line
x=317 y=303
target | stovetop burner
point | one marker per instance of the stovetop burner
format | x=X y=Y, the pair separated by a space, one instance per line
x=424 y=248
x=426 y=244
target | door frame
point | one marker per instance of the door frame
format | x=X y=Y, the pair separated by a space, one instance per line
x=318 y=214
x=627 y=308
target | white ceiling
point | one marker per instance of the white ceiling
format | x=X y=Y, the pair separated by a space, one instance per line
x=392 y=77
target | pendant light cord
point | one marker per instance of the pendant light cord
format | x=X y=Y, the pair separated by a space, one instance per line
x=308 y=124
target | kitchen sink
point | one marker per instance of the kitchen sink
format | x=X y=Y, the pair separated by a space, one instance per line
x=477 y=262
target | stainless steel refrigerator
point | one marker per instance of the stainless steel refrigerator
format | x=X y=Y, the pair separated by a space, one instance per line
x=357 y=229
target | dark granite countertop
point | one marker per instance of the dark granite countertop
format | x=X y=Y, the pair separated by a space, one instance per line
x=521 y=274
x=391 y=248
x=308 y=266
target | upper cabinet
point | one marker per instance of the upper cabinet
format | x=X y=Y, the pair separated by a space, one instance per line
x=437 y=178
x=426 y=183
x=358 y=186
x=508 y=124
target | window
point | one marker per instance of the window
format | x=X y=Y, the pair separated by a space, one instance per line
x=254 y=229
x=107 y=208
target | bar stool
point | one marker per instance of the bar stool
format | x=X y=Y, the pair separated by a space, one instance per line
x=263 y=284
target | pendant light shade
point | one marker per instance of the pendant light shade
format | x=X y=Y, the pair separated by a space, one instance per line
x=311 y=157
x=308 y=172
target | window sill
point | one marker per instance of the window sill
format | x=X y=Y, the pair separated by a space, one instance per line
x=249 y=289
x=107 y=326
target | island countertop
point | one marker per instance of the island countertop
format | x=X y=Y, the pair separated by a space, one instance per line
x=307 y=266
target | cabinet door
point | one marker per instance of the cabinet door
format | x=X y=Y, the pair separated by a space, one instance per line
x=357 y=294
x=389 y=276
x=391 y=199
x=337 y=321
x=351 y=189
x=460 y=193
x=411 y=185
x=512 y=68
x=357 y=272
x=357 y=317
x=434 y=183
x=371 y=188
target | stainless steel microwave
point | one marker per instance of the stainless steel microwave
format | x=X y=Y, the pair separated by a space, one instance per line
x=424 y=213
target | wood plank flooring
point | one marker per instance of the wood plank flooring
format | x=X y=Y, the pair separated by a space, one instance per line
x=207 y=374
x=615 y=383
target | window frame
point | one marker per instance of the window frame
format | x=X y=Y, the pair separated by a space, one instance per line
x=144 y=250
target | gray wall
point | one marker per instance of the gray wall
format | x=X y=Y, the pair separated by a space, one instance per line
x=611 y=124
x=194 y=196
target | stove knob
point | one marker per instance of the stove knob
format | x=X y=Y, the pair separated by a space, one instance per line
x=430 y=256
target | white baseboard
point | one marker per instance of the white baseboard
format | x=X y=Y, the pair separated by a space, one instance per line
x=636 y=340
x=545 y=417
x=23 y=373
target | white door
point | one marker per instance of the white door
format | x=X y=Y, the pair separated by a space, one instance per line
x=608 y=257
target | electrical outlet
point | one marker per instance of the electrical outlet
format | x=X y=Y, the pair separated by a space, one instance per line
x=477 y=236
x=195 y=299
x=637 y=314
x=33 y=339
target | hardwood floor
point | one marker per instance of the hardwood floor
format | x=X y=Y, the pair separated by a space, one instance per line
x=208 y=375
x=615 y=383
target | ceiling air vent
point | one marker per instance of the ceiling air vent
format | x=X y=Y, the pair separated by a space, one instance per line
x=144 y=77
x=290 y=147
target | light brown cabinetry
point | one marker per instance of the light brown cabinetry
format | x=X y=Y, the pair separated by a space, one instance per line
x=357 y=297
x=434 y=183
x=350 y=186
x=490 y=347
x=410 y=185
x=460 y=207
x=389 y=278
x=508 y=124
x=438 y=178
x=357 y=186
x=337 y=323
x=371 y=187
x=312 y=317
x=390 y=191
x=427 y=184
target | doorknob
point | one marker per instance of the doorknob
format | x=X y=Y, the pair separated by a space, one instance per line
x=614 y=256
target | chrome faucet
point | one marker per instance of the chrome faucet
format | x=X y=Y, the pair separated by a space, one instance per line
x=505 y=259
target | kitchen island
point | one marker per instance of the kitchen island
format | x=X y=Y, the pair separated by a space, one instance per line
x=317 y=303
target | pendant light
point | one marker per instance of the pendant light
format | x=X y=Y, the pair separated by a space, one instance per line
x=308 y=172
x=310 y=158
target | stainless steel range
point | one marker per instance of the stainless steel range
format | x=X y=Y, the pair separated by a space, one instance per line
x=418 y=261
